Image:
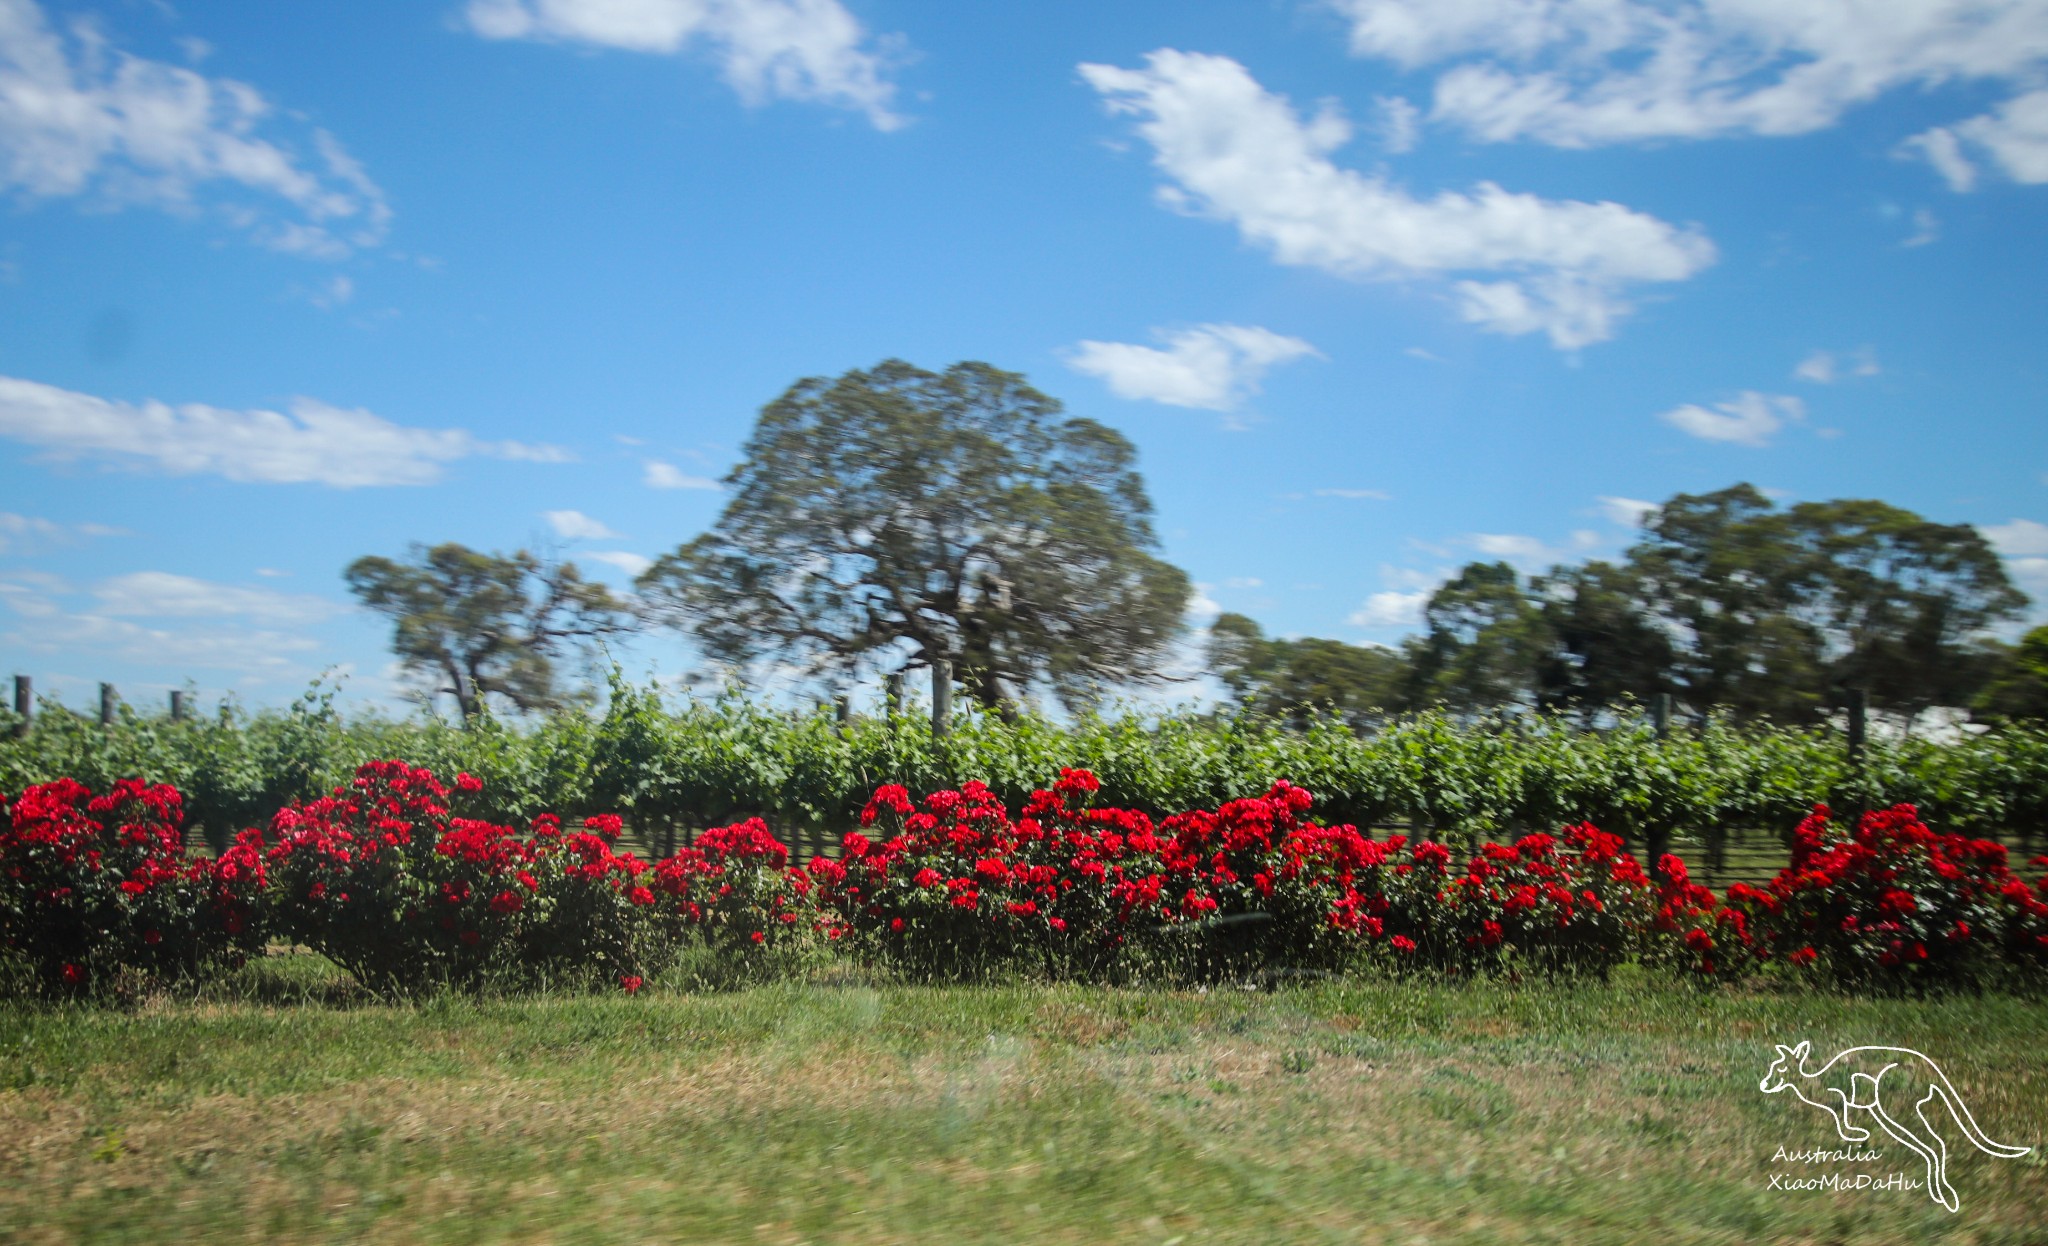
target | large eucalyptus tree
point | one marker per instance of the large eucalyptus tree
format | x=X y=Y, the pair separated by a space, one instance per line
x=895 y=517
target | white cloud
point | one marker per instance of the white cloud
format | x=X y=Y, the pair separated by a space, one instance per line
x=810 y=50
x=668 y=476
x=1926 y=229
x=1211 y=366
x=44 y=624
x=575 y=525
x=1201 y=605
x=1511 y=546
x=2030 y=575
x=1941 y=148
x=1411 y=577
x=1356 y=495
x=1752 y=419
x=2020 y=538
x=1819 y=367
x=333 y=293
x=2014 y=136
x=1244 y=581
x=160 y=594
x=1824 y=367
x=631 y=564
x=1400 y=124
x=84 y=119
x=20 y=534
x=1235 y=152
x=1578 y=73
x=1391 y=609
x=1626 y=512
x=316 y=443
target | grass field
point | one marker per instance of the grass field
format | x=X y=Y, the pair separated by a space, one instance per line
x=855 y=1112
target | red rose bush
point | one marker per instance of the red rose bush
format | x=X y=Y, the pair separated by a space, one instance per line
x=94 y=885
x=1893 y=905
x=384 y=880
x=388 y=878
x=955 y=886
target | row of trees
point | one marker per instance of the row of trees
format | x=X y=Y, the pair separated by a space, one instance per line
x=894 y=519
x=1727 y=602
x=887 y=520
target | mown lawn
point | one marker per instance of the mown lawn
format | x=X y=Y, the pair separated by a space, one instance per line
x=857 y=1112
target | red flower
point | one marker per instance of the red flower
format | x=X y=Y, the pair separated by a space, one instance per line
x=630 y=983
x=507 y=902
x=641 y=896
x=468 y=782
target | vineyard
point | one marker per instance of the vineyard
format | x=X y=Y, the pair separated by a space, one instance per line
x=707 y=825
x=1725 y=794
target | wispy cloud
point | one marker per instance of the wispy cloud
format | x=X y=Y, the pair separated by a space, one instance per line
x=1751 y=419
x=161 y=594
x=32 y=534
x=576 y=526
x=668 y=476
x=1580 y=73
x=630 y=563
x=158 y=618
x=1824 y=367
x=81 y=118
x=1214 y=367
x=2013 y=137
x=766 y=49
x=1392 y=608
x=315 y=443
x=1626 y=512
x=1234 y=152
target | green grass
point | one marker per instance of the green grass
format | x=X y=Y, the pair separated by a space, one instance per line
x=290 y=1111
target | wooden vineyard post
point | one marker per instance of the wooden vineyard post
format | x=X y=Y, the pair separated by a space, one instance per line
x=1859 y=710
x=177 y=707
x=24 y=705
x=1657 y=841
x=107 y=700
x=942 y=698
x=899 y=684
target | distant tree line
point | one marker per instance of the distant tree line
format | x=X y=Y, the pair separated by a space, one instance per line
x=1727 y=602
x=896 y=519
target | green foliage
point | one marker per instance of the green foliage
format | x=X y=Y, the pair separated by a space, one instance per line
x=485 y=623
x=1295 y=679
x=902 y=516
x=674 y=769
x=1736 y=606
x=2018 y=686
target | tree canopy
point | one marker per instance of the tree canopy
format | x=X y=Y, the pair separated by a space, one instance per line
x=479 y=624
x=1293 y=678
x=895 y=517
x=1729 y=603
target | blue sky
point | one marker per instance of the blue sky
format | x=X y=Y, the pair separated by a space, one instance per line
x=1377 y=287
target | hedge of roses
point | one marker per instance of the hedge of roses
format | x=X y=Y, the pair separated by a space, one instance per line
x=958 y=887
x=91 y=886
x=388 y=878
x=1888 y=904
